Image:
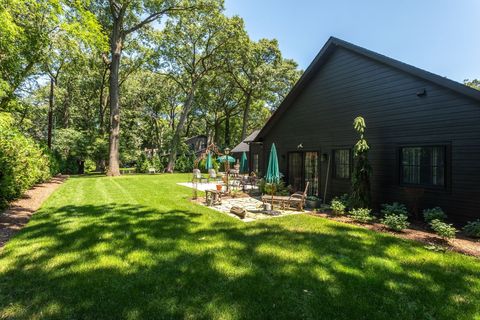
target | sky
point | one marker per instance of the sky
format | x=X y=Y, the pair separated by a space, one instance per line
x=441 y=36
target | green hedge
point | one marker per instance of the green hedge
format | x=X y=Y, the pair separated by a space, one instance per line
x=22 y=162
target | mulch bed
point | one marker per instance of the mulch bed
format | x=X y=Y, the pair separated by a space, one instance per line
x=16 y=216
x=461 y=244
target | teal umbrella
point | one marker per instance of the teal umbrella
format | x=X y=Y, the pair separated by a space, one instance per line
x=244 y=163
x=223 y=159
x=273 y=173
x=208 y=162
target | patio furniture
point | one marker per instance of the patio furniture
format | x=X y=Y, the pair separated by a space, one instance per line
x=197 y=176
x=127 y=170
x=213 y=197
x=212 y=175
x=296 y=200
x=151 y=170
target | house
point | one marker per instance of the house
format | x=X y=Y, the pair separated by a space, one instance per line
x=423 y=131
x=197 y=144
x=244 y=146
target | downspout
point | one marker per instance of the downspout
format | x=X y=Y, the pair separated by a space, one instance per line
x=326 y=180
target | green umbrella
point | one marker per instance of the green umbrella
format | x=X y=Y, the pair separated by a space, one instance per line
x=244 y=163
x=208 y=162
x=273 y=173
x=223 y=159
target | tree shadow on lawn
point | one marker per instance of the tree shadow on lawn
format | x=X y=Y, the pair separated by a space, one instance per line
x=137 y=262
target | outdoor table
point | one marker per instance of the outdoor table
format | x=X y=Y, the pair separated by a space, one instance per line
x=213 y=197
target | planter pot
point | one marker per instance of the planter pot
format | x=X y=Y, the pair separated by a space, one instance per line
x=312 y=204
x=219 y=187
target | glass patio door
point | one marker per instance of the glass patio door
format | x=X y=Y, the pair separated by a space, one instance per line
x=295 y=170
x=302 y=168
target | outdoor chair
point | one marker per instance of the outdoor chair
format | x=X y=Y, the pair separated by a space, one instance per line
x=296 y=200
x=212 y=176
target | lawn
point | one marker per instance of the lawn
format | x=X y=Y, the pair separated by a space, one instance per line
x=135 y=247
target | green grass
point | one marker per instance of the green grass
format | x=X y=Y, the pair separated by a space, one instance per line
x=134 y=247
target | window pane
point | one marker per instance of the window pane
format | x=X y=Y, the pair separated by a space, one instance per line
x=342 y=163
x=423 y=165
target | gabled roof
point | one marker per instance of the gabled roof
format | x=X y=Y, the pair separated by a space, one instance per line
x=330 y=47
x=243 y=146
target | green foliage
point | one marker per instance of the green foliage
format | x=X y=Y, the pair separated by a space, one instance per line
x=362 y=169
x=434 y=214
x=22 y=162
x=278 y=189
x=361 y=214
x=145 y=163
x=185 y=163
x=472 y=228
x=396 y=221
x=444 y=230
x=394 y=208
x=90 y=166
x=337 y=206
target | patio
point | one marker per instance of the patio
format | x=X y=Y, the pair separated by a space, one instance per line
x=252 y=205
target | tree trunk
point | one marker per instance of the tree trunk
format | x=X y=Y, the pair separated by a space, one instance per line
x=50 y=113
x=116 y=51
x=246 y=114
x=178 y=130
x=227 y=130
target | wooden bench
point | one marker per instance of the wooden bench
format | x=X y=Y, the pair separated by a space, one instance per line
x=296 y=200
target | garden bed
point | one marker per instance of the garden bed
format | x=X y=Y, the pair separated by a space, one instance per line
x=16 y=216
x=416 y=232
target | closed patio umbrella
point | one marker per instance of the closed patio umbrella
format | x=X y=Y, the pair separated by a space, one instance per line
x=208 y=162
x=273 y=172
x=244 y=163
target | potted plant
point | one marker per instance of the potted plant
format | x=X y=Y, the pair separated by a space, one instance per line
x=313 y=202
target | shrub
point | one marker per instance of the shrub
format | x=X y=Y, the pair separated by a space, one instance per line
x=444 y=230
x=396 y=222
x=337 y=206
x=394 y=209
x=472 y=228
x=434 y=214
x=361 y=214
x=22 y=162
x=277 y=188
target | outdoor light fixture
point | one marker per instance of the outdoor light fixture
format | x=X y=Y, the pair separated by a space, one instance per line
x=422 y=92
x=227 y=151
x=300 y=146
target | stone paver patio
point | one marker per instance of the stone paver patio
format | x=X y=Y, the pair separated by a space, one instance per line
x=253 y=206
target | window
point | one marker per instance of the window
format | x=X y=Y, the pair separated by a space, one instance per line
x=255 y=163
x=342 y=164
x=423 y=165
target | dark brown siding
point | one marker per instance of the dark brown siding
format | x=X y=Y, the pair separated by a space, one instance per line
x=349 y=85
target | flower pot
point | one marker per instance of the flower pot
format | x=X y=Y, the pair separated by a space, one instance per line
x=312 y=204
x=219 y=187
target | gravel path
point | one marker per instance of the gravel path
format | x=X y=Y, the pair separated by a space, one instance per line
x=20 y=211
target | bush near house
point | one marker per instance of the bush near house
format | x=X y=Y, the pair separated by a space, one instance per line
x=23 y=163
x=472 y=229
x=434 y=214
x=361 y=214
x=338 y=207
x=444 y=230
x=396 y=222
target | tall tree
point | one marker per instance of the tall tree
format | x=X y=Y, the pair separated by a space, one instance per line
x=126 y=17
x=191 y=47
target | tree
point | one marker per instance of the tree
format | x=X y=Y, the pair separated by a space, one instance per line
x=253 y=71
x=124 y=18
x=191 y=47
x=475 y=83
x=362 y=170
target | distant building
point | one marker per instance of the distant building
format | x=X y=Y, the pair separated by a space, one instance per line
x=244 y=146
x=197 y=144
